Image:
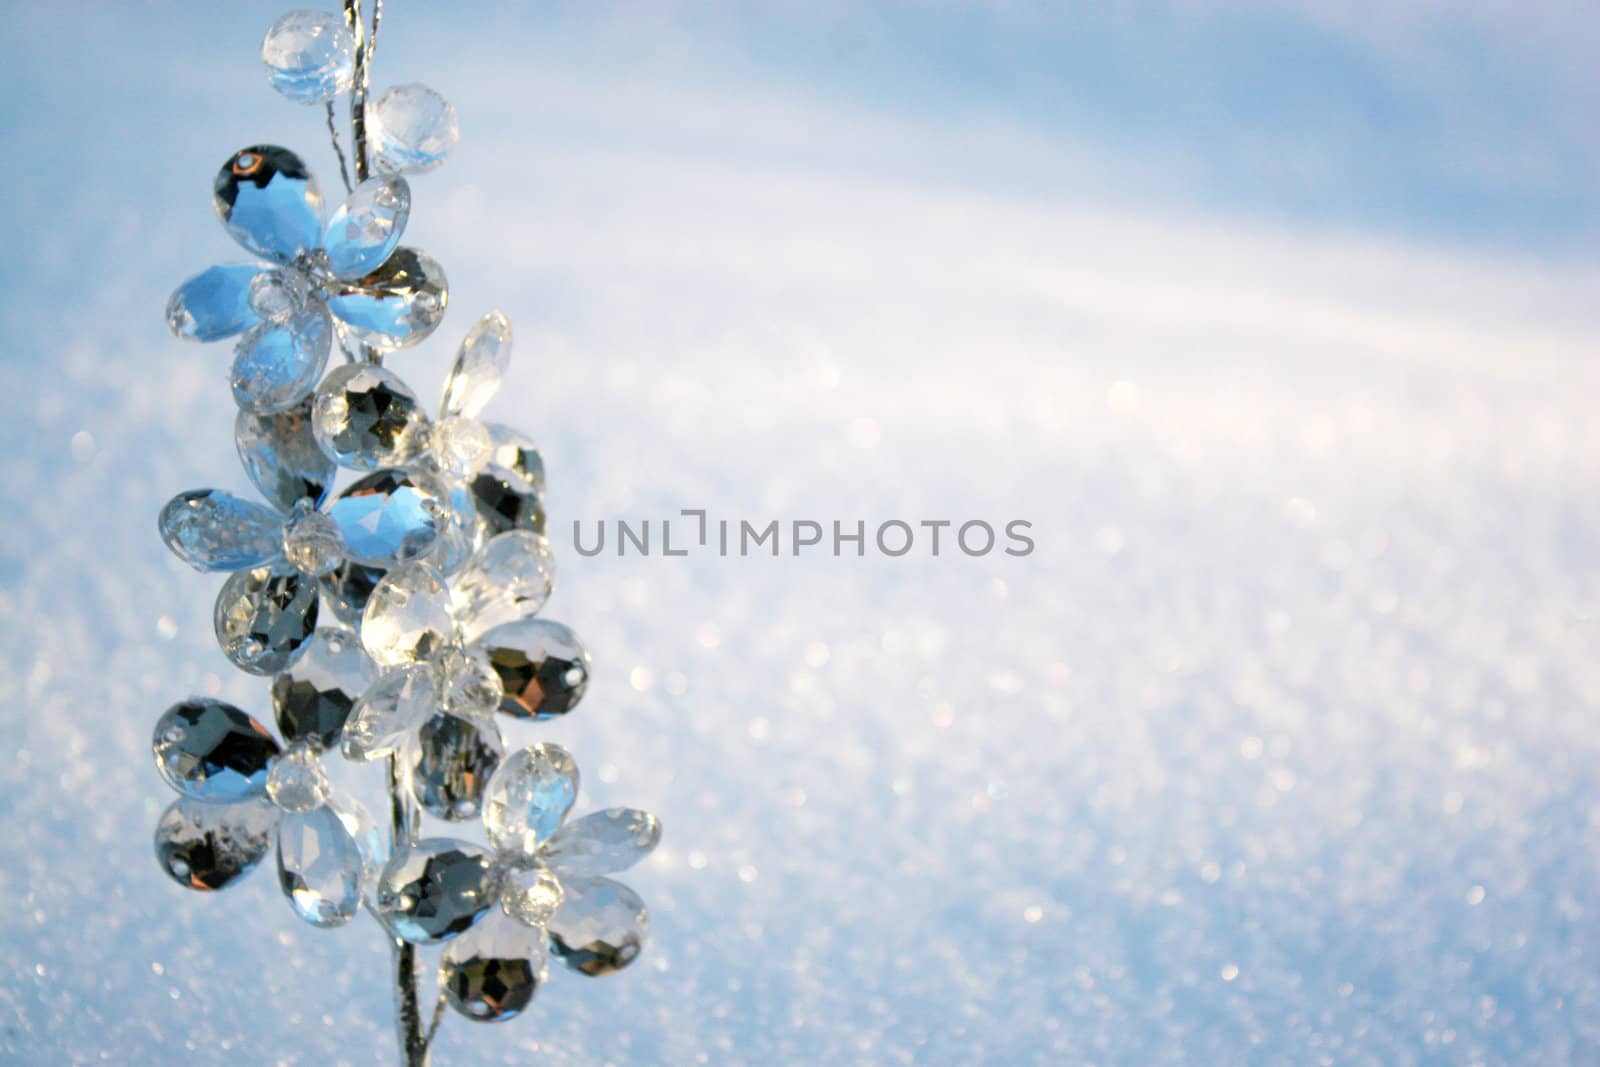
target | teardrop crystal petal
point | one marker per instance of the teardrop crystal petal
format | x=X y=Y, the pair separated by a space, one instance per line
x=506 y=580
x=365 y=229
x=529 y=797
x=365 y=417
x=389 y=516
x=388 y=713
x=601 y=926
x=396 y=305
x=282 y=457
x=314 y=697
x=514 y=451
x=506 y=500
x=370 y=839
x=412 y=128
x=212 y=530
x=320 y=866
x=542 y=666
x=408 y=617
x=264 y=617
x=276 y=365
x=480 y=364
x=214 y=303
x=436 y=889
x=211 y=751
x=455 y=758
x=603 y=842
x=268 y=201
x=310 y=56
x=210 y=846
x=490 y=973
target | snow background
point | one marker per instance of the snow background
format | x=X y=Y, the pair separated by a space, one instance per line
x=1277 y=323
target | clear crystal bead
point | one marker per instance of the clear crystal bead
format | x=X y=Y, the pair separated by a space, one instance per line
x=490 y=973
x=268 y=201
x=460 y=529
x=313 y=698
x=214 y=303
x=600 y=927
x=276 y=365
x=412 y=129
x=529 y=797
x=459 y=445
x=408 y=617
x=282 y=457
x=211 y=751
x=277 y=295
x=436 y=889
x=515 y=452
x=508 y=579
x=469 y=688
x=348 y=587
x=480 y=364
x=311 y=540
x=264 y=617
x=455 y=758
x=506 y=501
x=531 y=895
x=211 y=530
x=365 y=229
x=389 y=516
x=208 y=846
x=365 y=417
x=320 y=866
x=543 y=669
x=603 y=842
x=388 y=713
x=310 y=56
x=370 y=840
x=297 y=781
x=396 y=305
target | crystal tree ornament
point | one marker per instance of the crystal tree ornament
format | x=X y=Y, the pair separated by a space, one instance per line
x=433 y=557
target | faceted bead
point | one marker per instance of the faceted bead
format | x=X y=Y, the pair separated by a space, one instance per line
x=454 y=762
x=278 y=295
x=313 y=699
x=603 y=842
x=468 y=686
x=412 y=129
x=491 y=972
x=436 y=889
x=365 y=417
x=264 y=617
x=365 y=229
x=214 y=303
x=388 y=516
x=506 y=501
x=348 y=587
x=460 y=528
x=311 y=540
x=297 y=783
x=276 y=365
x=396 y=305
x=370 y=840
x=209 y=846
x=320 y=866
x=529 y=797
x=600 y=927
x=282 y=457
x=460 y=445
x=480 y=365
x=269 y=203
x=514 y=451
x=211 y=751
x=407 y=619
x=310 y=56
x=508 y=579
x=388 y=713
x=531 y=895
x=211 y=530
x=542 y=667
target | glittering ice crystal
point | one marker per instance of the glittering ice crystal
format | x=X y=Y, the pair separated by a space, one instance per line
x=314 y=697
x=365 y=417
x=412 y=128
x=214 y=303
x=320 y=866
x=479 y=366
x=603 y=842
x=264 y=617
x=388 y=516
x=600 y=927
x=297 y=782
x=276 y=364
x=211 y=530
x=282 y=457
x=385 y=716
x=490 y=973
x=407 y=619
x=268 y=201
x=542 y=666
x=531 y=895
x=508 y=579
x=436 y=889
x=455 y=758
x=310 y=56
x=528 y=798
x=364 y=230
x=396 y=305
x=209 y=846
x=211 y=751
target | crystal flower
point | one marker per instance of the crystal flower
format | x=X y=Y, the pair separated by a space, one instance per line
x=238 y=790
x=348 y=274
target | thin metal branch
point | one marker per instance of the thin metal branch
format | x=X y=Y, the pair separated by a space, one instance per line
x=333 y=132
x=415 y=1044
x=358 y=92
